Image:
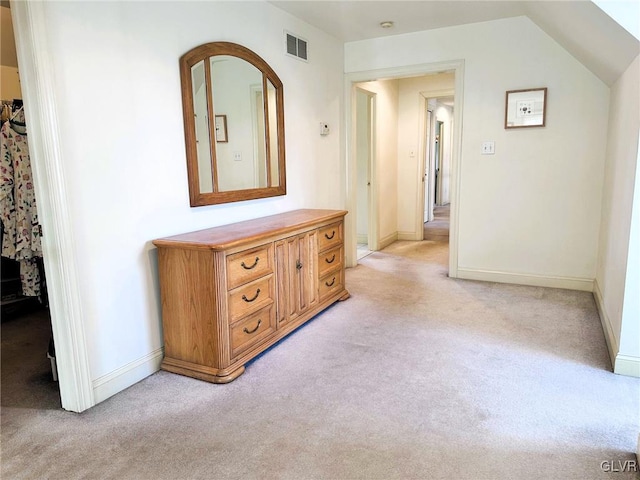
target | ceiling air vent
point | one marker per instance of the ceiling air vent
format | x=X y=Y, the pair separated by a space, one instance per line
x=296 y=47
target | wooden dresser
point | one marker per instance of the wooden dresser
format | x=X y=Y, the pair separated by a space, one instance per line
x=230 y=292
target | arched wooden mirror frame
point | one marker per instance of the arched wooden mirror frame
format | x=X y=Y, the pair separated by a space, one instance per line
x=187 y=61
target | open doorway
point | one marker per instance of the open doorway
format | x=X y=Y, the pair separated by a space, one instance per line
x=29 y=376
x=365 y=148
x=398 y=192
x=437 y=161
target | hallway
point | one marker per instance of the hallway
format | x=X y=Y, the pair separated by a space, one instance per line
x=438 y=228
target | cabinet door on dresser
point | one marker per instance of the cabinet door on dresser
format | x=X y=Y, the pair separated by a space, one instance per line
x=296 y=263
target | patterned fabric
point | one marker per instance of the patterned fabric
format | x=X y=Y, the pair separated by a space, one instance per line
x=21 y=240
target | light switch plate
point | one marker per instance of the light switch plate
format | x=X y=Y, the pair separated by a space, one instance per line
x=488 y=148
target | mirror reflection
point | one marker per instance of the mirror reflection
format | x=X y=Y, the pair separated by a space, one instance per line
x=240 y=149
x=234 y=125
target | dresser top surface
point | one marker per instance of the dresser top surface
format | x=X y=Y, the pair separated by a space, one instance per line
x=227 y=236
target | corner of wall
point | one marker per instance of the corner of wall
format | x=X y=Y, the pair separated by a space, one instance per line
x=612 y=343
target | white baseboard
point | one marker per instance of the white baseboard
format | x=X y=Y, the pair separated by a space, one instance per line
x=413 y=236
x=570 y=283
x=127 y=375
x=362 y=238
x=388 y=240
x=622 y=364
x=627 y=365
x=612 y=342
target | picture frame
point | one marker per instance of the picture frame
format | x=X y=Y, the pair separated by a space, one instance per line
x=221 y=129
x=525 y=108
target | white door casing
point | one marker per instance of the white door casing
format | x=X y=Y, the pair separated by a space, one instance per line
x=457 y=66
x=38 y=88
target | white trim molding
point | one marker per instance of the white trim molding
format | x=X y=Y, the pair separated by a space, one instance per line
x=127 y=375
x=38 y=88
x=622 y=364
x=388 y=240
x=570 y=283
x=627 y=365
x=612 y=343
x=413 y=236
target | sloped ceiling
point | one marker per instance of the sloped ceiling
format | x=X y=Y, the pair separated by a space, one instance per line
x=580 y=26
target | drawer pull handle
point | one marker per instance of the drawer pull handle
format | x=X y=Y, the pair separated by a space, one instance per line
x=252 y=266
x=332 y=282
x=298 y=264
x=249 y=300
x=332 y=259
x=249 y=332
x=333 y=234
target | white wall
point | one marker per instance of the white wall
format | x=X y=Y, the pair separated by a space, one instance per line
x=386 y=156
x=617 y=279
x=531 y=212
x=117 y=85
x=412 y=93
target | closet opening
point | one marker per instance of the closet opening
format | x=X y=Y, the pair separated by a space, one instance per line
x=29 y=370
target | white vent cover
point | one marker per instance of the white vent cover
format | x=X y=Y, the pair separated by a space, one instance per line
x=296 y=46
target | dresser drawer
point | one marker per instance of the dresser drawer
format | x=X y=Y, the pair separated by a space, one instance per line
x=252 y=330
x=330 y=236
x=250 y=298
x=329 y=260
x=245 y=266
x=330 y=284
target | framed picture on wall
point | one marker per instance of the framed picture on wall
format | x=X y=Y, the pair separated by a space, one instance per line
x=221 y=129
x=525 y=108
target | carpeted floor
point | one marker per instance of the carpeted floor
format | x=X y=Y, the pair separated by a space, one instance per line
x=416 y=376
x=438 y=228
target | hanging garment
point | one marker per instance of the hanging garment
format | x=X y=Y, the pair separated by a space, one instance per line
x=22 y=235
x=6 y=112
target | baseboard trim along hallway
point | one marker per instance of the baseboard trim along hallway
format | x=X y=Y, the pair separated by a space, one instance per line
x=569 y=283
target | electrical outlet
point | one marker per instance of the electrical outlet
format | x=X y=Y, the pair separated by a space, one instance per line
x=237 y=156
x=488 y=148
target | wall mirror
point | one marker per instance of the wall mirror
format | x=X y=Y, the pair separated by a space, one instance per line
x=233 y=107
x=526 y=108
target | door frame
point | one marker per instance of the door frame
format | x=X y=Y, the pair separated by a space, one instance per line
x=425 y=147
x=457 y=66
x=426 y=160
x=63 y=285
x=373 y=232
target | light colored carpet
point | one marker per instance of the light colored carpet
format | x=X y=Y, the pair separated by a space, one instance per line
x=438 y=228
x=416 y=376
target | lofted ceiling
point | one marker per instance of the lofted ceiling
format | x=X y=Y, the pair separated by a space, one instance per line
x=580 y=26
